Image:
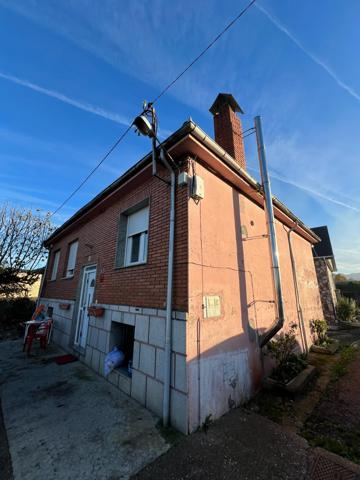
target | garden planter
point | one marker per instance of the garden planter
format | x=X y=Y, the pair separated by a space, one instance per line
x=295 y=385
x=96 y=311
x=64 y=306
x=330 y=349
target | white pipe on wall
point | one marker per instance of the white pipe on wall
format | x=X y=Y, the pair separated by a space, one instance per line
x=168 y=327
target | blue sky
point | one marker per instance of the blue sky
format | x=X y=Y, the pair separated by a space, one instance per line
x=73 y=73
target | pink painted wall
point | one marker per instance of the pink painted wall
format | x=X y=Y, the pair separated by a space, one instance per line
x=225 y=365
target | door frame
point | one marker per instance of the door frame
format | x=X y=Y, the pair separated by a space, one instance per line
x=86 y=269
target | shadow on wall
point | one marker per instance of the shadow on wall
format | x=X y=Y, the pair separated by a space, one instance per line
x=229 y=373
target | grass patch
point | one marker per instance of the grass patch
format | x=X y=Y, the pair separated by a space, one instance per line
x=340 y=368
x=331 y=425
x=338 y=440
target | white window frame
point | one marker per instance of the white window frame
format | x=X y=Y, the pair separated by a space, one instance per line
x=55 y=265
x=73 y=246
x=143 y=247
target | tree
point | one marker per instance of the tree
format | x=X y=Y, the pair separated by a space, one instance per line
x=22 y=234
x=339 y=277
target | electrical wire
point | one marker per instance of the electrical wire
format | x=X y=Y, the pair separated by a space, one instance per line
x=109 y=152
x=123 y=135
x=228 y=26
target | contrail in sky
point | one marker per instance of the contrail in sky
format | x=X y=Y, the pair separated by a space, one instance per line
x=309 y=190
x=313 y=57
x=87 y=107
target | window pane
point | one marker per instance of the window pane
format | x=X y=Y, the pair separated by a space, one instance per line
x=72 y=258
x=135 y=248
x=143 y=247
x=55 y=265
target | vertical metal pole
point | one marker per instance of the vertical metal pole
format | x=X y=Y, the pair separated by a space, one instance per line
x=270 y=221
x=297 y=293
x=169 y=291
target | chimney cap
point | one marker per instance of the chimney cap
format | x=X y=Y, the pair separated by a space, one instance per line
x=225 y=99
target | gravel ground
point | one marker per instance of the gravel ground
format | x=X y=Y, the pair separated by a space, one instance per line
x=5 y=460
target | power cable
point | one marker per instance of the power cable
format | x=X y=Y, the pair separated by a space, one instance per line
x=172 y=83
x=228 y=26
x=109 y=152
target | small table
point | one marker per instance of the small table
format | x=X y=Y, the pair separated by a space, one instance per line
x=37 y=323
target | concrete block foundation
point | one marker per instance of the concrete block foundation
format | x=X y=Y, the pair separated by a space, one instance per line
x=145 y=382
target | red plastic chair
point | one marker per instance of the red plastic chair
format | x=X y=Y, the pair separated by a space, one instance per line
x=36 y=332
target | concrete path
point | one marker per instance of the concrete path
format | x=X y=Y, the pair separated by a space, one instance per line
x=65 y=422
x=243 y=445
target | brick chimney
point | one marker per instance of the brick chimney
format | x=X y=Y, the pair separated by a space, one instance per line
x=227 y=127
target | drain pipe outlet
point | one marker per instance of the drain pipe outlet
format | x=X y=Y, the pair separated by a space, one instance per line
x=167 y=364
x=270 y=222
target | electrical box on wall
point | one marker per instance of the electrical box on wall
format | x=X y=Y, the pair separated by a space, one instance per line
x=212 y=306
x=183 y=179
x=197 y=188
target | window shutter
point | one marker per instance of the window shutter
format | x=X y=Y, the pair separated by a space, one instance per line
x=138 y=222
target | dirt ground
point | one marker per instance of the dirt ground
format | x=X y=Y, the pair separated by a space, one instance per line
x=5 y=460
x=335 y=422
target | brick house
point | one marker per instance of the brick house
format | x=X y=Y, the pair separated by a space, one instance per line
x=113 y=255
x=325 y=267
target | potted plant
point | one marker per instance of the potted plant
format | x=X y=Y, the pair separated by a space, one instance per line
x=322 y=342
x=95 y=311
x=291 y=372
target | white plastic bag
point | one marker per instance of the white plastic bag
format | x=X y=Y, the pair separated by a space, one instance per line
x=112 y=360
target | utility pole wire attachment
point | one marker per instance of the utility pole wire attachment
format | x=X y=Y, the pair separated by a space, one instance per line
x=150 y=104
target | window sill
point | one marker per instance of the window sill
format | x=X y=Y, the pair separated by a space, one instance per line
x=130 y=265
x=69 y=277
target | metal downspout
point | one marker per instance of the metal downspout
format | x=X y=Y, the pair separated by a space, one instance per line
x=270 y=221
x=168 y=336
x=296 y=288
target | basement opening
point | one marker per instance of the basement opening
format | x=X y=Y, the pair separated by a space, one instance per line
x=122 y=336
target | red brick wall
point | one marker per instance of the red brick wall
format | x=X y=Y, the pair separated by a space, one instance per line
x=142 y=285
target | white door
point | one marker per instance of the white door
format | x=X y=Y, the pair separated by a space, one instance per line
x=86 y=299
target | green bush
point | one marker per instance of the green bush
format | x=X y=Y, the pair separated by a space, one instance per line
x=15 y=311
x=282 y=350
x=319 y=330
x=346 y=309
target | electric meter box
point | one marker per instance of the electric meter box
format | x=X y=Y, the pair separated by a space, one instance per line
x=183 y=179
x=197 y=188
